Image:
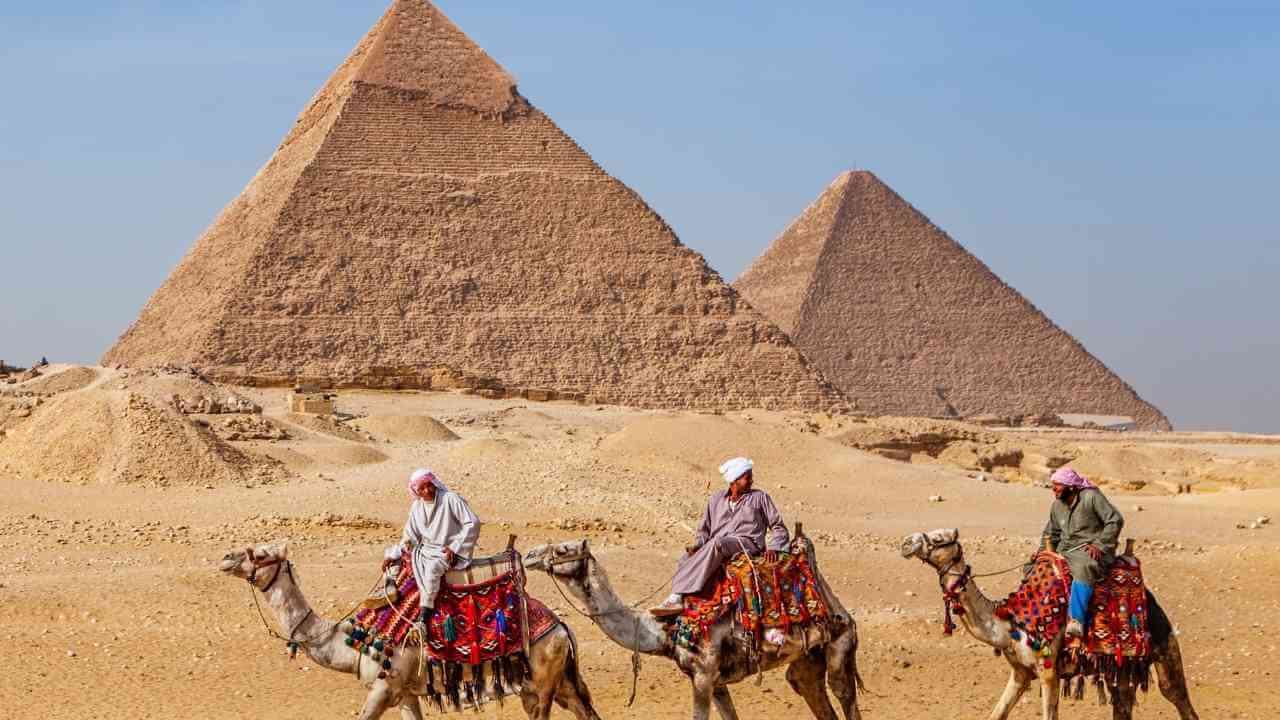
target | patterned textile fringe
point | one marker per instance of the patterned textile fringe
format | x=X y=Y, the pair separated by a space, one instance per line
x=1107 y=672
x=465 y=686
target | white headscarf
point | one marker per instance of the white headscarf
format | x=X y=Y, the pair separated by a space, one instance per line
x=420 y=478
x=735 y=468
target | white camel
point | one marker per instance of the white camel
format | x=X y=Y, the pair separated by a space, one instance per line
x=813 y=660
x=941 y=550
x=553 y=664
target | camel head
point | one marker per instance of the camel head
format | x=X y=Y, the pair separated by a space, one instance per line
x=566 y=559
x=939 y=548
x=255 y=562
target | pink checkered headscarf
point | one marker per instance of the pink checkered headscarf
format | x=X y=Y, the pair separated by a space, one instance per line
x=1066 y=477
x=419 y=480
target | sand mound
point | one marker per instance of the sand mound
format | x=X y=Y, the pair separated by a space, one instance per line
x=487 y=449
x=107 y=436
x=693 y=447
x=326 y=426
x=73 y=378
x=407 y=428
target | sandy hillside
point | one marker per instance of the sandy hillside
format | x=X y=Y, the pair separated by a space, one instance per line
x=108 y=582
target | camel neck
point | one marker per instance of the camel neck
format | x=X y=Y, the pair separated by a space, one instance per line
x=632 y=629
x=979 y=616
x=317 y=637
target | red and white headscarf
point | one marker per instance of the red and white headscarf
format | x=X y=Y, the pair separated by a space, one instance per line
x=419 y=480
x=1066 y=477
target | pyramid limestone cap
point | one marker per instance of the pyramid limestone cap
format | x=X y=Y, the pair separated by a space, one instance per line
x=415 y=47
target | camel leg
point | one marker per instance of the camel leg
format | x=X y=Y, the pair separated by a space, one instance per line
x=1123 y=697
x=724 y=703
x=410 y=709
x=703 y=690
x=1019 y=679
x=842 y=672
x=379 y=700
x=1173 y=681
x=569 y=697
x=1050 y=689
x=807 y=676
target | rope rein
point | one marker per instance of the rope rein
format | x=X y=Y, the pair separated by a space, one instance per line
x=286 y=567
x=635 y=649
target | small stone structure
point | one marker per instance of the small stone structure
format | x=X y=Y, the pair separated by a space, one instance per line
x=311 y=400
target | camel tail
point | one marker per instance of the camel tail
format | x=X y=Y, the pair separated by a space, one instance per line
x=1158 y=623
x=858 y=685
x=573 y=672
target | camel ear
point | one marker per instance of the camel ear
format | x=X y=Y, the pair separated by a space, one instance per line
x=282 y=549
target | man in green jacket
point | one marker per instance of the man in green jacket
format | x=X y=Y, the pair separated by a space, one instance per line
x=1084 y=527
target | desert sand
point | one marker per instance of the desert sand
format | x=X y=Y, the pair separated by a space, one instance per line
x=110 y=593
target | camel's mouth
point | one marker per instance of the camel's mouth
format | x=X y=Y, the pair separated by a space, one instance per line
x=536 y=559
x=912 y=545
x=230 y=562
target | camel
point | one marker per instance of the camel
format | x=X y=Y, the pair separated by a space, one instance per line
x=721 y=660
x=941 y=550
x=554 y=671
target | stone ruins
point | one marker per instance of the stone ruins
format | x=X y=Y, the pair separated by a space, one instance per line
x=422 y=214
x=904 y=319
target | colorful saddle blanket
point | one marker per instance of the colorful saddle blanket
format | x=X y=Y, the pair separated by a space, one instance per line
x=786 y=597
x=1118 y=625
x=473 y=623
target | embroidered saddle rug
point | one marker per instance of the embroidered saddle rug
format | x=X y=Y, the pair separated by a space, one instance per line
x=761 y=596
x=1117 y=642
x=474 y=624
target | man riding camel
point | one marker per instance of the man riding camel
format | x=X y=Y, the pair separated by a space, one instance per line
x=1084 y=527
x=441 y=532
x=736 y=519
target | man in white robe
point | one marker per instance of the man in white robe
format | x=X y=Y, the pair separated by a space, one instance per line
x=441 y=534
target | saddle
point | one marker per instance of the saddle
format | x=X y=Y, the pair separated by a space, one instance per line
x=482 y=626
x=764 y=598
x=1117 y=642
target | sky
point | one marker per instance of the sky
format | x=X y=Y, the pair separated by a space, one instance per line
x=1117 y=163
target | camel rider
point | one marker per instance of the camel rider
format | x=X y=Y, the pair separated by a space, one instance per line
x=441 y=532
x=1084 y=527
x=736 y=519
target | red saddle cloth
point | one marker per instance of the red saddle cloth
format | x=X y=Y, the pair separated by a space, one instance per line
x=1119 y=626
x=787 y=597
x=472 y=623
x=1117 y=629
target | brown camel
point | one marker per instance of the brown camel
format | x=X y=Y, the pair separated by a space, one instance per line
x=813 y=662
x=553 y=663
x=941 y=550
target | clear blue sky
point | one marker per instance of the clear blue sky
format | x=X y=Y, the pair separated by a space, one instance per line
x=1116 y=162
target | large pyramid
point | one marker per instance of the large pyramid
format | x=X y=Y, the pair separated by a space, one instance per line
x=900 y=316
x=422 y=214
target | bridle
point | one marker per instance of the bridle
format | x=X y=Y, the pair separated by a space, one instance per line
x=284 y=567
x=951 y=604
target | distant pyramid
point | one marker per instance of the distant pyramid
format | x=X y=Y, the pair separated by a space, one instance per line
x=901 y=317
x=422 y=214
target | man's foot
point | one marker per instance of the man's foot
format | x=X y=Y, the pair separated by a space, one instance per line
x=1075 y=628
x=671 y=607
x=424 y=618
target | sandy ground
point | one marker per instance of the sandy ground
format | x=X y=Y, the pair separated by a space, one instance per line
x=110 y=596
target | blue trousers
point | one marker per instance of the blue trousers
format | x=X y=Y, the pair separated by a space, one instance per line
x=1081 y=593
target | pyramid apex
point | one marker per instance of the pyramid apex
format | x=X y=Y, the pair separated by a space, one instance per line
x=415 y=47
